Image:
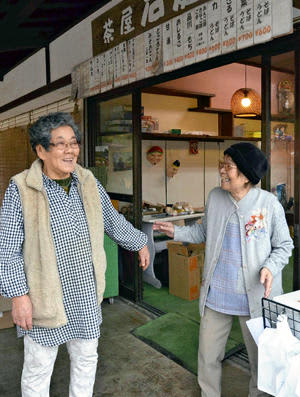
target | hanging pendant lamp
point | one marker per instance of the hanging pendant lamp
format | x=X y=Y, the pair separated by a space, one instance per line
x=246 y=102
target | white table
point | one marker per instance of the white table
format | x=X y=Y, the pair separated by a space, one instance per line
x=155 y=247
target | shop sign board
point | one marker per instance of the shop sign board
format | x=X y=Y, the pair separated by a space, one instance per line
x=228 y=26
x=130 y=18
x=214 y=28
x=244 y=23
x=199 y=30
x=262 y=21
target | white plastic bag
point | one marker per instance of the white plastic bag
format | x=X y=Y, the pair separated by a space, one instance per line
x=279 y=361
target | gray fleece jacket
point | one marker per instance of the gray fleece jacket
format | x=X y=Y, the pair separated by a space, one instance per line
x=265 y=240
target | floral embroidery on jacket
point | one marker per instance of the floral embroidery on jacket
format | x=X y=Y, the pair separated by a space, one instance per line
x=256 y=227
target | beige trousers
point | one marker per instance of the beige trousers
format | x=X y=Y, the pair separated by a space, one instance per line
x=39 y=362
x=215 y=328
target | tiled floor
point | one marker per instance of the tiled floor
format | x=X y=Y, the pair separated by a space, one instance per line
x=127 y=366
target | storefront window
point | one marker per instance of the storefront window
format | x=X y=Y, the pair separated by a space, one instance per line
x=114 y=144
x=282 y=129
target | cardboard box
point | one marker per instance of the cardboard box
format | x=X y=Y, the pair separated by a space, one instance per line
x=186 y=263
x=6 y=320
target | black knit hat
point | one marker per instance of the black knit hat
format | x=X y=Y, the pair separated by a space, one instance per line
x=250 y=160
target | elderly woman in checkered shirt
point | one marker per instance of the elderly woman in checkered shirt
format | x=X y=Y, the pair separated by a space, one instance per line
x=52 y=259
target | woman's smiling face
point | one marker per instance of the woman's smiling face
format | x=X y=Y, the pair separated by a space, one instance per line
x=232 y=179
x=60 y=162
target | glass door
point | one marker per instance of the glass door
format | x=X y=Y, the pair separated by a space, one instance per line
x=282 y=141
x=111 y=158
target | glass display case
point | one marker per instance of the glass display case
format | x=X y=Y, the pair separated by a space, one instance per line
x=113 y=147
x=283 y=129
x=112 y=154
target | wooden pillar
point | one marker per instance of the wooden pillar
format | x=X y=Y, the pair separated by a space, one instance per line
x=137 y=183
x=266 y=116
x=296 y=273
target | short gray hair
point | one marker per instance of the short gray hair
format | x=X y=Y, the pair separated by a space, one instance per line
x=40 y=131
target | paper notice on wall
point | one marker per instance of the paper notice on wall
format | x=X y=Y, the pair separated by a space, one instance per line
x=124 y=63
x=282 y=17
x=148 y=52
x=244 y=23
x=262 y=21
x=103 y=80
x=214 y=28
x=168 y=58
x=109 y=57
x=177 y=31
x=117 y=66
x=84 y=89
x=188 y=37
x=131 y=47
x=139 y=56
x=75 y=75
x=200 y=18
x=94 y=78
x=228 y=26
x=97 y=74
x=157 y=63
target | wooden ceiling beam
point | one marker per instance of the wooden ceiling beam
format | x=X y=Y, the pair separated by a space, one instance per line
x=16 y=42
x=18 y=12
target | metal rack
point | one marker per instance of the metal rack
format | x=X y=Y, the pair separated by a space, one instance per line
x=271 y=310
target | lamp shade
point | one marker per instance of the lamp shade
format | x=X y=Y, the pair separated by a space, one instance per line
x=246 y=102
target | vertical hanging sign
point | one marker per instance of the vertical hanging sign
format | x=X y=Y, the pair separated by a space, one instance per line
x=200 y=15
x=131 y=45
x=124 y=63
x=168 y=58
x=177 y=32
x=244 y=23
x=117 y=66
x=139 y=56
x=228 y=26
x=94 y=76
x=214 y=28
x=109 y=69
x=97 y=64
x=188 y=37
x=157 y=64
x=148 y=40
x=103 y=81
x=262 y=21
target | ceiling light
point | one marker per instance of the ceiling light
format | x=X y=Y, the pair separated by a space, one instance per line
x=246 y=102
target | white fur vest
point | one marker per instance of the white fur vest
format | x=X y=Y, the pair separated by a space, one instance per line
x=39 y=252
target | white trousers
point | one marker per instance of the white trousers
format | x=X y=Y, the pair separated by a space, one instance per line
x=39 y=362
x=215 y=328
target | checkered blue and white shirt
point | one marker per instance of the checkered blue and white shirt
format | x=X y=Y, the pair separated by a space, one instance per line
x=73 y=253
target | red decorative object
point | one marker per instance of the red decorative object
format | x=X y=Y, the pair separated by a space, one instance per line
x=194 y=147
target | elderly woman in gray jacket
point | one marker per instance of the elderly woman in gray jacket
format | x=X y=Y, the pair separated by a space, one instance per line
x=247 y=246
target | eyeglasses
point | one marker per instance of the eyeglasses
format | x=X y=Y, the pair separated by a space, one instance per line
x=61 y=146
x=226 y=166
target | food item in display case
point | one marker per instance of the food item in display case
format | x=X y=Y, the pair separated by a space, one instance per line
x=180 y=208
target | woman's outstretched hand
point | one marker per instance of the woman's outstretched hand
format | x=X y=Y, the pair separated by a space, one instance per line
x=164 y=227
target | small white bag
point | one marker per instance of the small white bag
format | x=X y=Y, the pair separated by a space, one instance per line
x=279 y=361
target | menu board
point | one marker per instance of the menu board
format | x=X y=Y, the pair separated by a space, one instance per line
x=208 y=29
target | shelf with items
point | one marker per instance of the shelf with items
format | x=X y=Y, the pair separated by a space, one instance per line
x=191 y=137
x=109 y=133
x=225 y=117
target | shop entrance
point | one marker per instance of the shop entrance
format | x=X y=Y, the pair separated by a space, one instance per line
x=160 y=147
